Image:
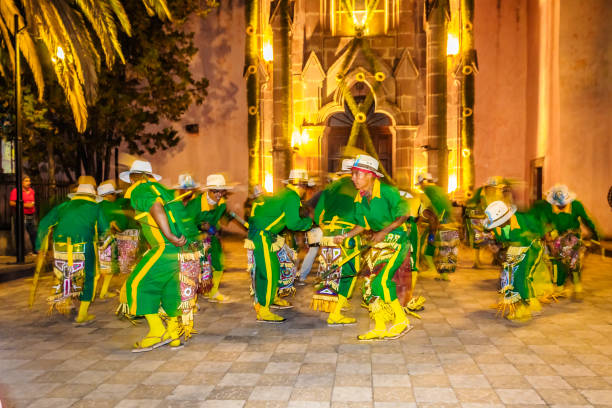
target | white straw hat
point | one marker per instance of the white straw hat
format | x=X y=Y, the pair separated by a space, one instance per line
x=108 y=187
x=425 y=177
x=560 y=195
x=347 y=166
x=86 y=189
x=217 y=182
x=297 y=176
x=498 y=213
x=186 y=182
x=367 y=163
x=139 y=167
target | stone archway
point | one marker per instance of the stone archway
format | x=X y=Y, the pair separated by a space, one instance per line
x=338 y=129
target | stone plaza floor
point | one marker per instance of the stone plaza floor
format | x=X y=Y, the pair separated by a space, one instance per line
x=458 y=355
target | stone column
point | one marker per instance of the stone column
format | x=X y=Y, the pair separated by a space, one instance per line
x=436 y=13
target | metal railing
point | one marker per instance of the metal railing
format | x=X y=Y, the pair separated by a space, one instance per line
x=45 y=200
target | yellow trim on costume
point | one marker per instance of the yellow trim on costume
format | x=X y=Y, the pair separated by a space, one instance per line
x=128 y=192
x=145 y=269
x=171 y=216
x=376 y=189
x=84 y=198
x=385 y=276
x=367 y=226
x=358 y=198
x=276 y=221
x=268 y=264
x=293 y=188
x=514 y=223
x=204 y=205
x=255 y=206
x=567 y=209
x=321 y=217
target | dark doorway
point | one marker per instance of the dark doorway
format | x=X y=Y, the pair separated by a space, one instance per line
x=537 y=179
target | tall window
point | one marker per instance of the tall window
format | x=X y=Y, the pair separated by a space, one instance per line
x=348 y=16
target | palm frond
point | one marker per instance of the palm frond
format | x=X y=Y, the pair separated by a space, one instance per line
x=121 y=16
x=159 y=8
x=26 y=44
x=100 y=15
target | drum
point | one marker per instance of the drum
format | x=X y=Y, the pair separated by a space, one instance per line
x=514 y=256
x=127 y=248
x=69 y=271
x=189 y=262
x=105 y=257
x=326 y=291
x=567 y=248
x=287 y=258
x=445 y=258
x=206 y=282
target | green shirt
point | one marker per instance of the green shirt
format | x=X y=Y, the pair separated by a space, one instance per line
x=210 y=213
x=439 y=202
x=385 y=206
x=337 y=200
x=189 y=218
x=142 y=195
x=522 y=230
x=115 y=212
x=81 y=219
x=277 y=212
x=566 y=219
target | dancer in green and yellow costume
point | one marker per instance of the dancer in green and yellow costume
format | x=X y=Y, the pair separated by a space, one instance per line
x=155 y=280
x=562 y=215
x=335 y=214
x=496 y=189
x=269 y=216
x=76 y=225
x=212 y=208
x=379 y=207
x=521 y=233
x=437 y=212
x=114 y=209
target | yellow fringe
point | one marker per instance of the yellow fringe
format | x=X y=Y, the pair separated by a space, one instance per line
x=248 y=244
x=278 y=244
x=287 y=292
x=323 y=303
x=381 y=309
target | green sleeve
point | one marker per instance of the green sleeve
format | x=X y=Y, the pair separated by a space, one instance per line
x=399 y=207
x=45 y=225
x=542 y=211
x=359 y=215
x=103 y=222
x=320 y=207
x=292 y=214
x=217 y=213
x=581 y=212
x=143 y=198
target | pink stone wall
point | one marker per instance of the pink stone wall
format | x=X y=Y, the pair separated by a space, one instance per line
x=500 y=30
x=585 y=97
x=221 y=145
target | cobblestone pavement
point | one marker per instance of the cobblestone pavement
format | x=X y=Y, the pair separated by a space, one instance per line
x=459 y=354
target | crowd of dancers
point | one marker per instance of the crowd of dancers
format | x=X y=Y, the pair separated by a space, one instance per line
x=167 y=242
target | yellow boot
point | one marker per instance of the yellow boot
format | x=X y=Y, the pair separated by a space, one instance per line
x=155 y=336
x=264 y=315
x=443 y=277
x=477 y=264
x=401 y=324
x=379 y=331
x=535 y=307
x=104 y=293
x=280 y=303
x=84 y=317
x=173 y=332
x=214 y=295
x=577 y=285
x=336 y=318
x=431 y=265
x=520 y=314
